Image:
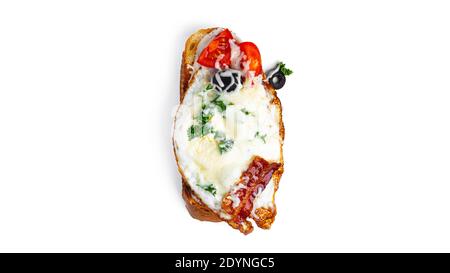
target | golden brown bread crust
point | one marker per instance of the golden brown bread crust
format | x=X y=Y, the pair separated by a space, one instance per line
x=194 y=205
x=190 y=50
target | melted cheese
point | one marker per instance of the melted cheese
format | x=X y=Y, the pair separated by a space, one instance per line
x=250 y=120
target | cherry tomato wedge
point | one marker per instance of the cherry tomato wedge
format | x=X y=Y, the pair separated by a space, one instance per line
x=219 y=47
x=252 y=56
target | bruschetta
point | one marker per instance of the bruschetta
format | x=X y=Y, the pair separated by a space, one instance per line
x=228 y=132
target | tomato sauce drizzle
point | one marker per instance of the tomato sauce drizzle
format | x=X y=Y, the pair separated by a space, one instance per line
x=253 y=181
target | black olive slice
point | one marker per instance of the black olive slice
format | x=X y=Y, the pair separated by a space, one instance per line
x=226 y=80
x=277 y=80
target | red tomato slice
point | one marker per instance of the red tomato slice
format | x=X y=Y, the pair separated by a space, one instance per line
x=252 y=56
x=218 y=47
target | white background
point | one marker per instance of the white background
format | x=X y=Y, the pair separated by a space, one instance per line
x=87 y=90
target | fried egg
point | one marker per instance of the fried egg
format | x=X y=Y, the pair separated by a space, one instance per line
x=250 y=121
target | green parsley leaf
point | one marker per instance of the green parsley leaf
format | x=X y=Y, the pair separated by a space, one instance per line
x=206 y=129
x=261 y=136
x=225 y=145
x=199 y=130
x=204 y=118
x=245 y=111
x=194 y=131
x=216 y=98
x=209 y=87
x=205 y=115
x=221 y=105
x=286 y=71
x=209 y=188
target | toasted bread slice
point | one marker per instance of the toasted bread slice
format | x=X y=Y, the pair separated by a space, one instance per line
x=196 y=207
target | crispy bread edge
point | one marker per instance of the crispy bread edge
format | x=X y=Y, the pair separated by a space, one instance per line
x=194 y=205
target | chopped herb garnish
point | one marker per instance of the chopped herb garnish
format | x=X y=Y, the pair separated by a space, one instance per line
x=199 y=130
x=204 y=118
x=194 y=131
x=225 y=145
x=202 y=127
x=261 y=136
x=221 y=105
x=209 y=87
x=245 y=111
x=205 y=114
x=216 y=98
x=286 y=71
x=209 y=188
x=206 y=129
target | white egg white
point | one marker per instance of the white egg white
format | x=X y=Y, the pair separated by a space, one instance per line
x=250 y=120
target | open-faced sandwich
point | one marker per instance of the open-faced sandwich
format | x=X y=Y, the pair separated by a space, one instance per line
x=228 y=131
